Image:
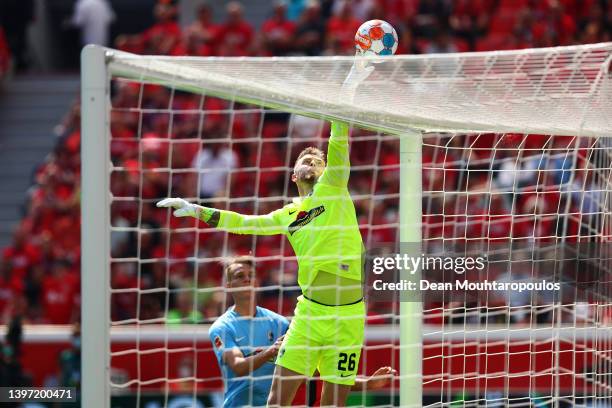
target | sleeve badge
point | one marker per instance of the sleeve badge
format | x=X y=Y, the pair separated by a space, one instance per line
x=218 y=342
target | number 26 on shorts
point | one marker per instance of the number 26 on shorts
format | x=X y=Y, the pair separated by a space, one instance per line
x=343 y=359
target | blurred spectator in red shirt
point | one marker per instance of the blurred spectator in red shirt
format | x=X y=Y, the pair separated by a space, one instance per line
x=277 y=32
x=398 y=11
x=557 y=23
x=164 y=38
x=201 y=35
x=22 y=254
x=341 y=29
x=236 y=34
x=310 y=31
x=470 y=19
x=59 y=293
x=360 y=9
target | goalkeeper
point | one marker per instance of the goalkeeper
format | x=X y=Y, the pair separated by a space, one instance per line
x=327 y=331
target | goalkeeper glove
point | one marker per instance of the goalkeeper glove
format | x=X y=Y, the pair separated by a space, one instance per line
x=184 y=208
x=359 y=72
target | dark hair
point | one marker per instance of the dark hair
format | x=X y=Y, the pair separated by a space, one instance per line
x=315 y=151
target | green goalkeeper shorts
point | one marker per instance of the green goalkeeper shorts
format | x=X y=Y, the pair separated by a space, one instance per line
x=324 y=338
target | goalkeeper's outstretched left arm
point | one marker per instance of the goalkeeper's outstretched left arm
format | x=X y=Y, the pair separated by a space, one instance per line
x=230 y=221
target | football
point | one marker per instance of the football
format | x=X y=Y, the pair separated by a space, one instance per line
x=376 y=37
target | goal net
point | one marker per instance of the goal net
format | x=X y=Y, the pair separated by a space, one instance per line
x=501 y=156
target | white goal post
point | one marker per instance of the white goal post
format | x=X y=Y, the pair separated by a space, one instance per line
x=429 y=102
x=95 y=232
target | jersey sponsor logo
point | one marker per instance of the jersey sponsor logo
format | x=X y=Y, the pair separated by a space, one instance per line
x=305 y=217
x=218 y=342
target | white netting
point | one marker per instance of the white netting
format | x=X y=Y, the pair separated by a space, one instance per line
x=512 y=183
x=563 y=90
x=539 y=207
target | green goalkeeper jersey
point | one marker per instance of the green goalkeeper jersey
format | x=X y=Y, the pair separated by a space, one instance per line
x=321 y=227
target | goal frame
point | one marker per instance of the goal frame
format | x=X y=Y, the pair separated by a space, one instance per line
x=100 y=64
x=95 y=228
x=95 y=231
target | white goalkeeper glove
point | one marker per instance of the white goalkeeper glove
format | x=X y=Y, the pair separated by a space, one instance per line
x=359 y=72
x=182 y=207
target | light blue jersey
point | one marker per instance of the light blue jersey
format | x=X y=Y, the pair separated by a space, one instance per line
x=250 y=335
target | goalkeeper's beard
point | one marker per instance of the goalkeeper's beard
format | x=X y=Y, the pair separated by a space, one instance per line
x=306 y=175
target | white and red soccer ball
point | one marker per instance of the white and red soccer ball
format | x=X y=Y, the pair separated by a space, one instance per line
x=376 y=37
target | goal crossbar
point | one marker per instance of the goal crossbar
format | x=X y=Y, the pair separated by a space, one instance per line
x=560 y=90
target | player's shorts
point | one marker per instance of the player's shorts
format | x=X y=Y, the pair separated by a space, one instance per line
x=324 y=338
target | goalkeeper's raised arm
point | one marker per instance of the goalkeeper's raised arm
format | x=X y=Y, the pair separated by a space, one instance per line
x=338 y=167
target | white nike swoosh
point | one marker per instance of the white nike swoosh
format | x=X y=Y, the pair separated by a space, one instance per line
x=240 y=338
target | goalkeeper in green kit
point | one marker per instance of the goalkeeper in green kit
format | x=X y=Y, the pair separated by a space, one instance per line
x=327 y=330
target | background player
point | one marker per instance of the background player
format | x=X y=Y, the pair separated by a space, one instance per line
x=327 y=331
x=247 y=337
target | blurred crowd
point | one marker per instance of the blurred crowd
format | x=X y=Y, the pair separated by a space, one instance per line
x=327 y=27
x=169 y=143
